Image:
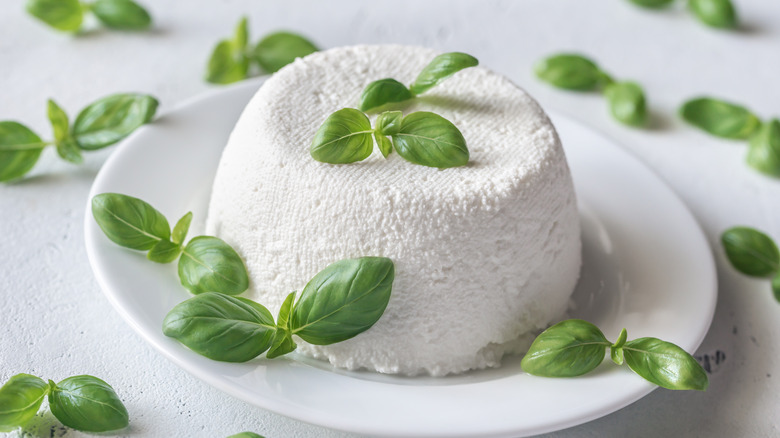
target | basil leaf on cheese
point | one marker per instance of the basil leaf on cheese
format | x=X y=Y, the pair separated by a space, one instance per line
x=344 y=137
x=440 y=68
x=430 y=140
x=381 y=92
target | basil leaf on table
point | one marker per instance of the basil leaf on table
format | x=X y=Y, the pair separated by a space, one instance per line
x=121 y=14
x=430 y=140
x=715 y=13
x=229 y=61
x=164 y=251
x=20 y=149
x=221 y=327
x=112 y=118
x=278 y=49
x=719 y=118
x=440 y=68
x=129 y=221
x=343 y=300
x=776 y=287
x=652 y=3
x=88 y=404
x=181 y=228
x=751 y=252
x=570 y=71
x=664 y=364
x=66 y=147
x=389 y=122
x=381 y=92
x=764 y=150
x=246 y=435
x=208 y=264
x=344 y=137
x=567 y=349
x=627 y=102
x=20 y=399
x=64 y=15
x=283 y=342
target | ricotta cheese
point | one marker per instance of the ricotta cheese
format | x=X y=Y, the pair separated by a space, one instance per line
x=485 y=255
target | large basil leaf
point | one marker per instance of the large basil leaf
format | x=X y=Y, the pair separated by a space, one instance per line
x=112 y=118
x=129 y=221
x=627 y=102
x=750 y=251
x=121 y=14
x=88 y=404
x=664 y=364
x=715 y=13
x=221 y=327
x=65 y=15
x=343 y=300
x=440 y=68
x=208 y=264
x=283 y=342
x=229 y=61
x=652 y=3
x=570 y=71
x=567 y=349
x=20 y=399
x=430 y=140
x=344 y=137
x=20 y=149
x=381 y=92
x=764 y=152
x=278 y=49
x=720 y=118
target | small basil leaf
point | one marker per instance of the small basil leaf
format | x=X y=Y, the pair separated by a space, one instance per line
x=112 y=118
x=164 y=251
x=381 y=92
x=64 y=15
x=20 y=398
x=221 y=327
x=129 y=221
x=430 y=140
x=88 y=404
x=344 y=137
x=283 y=342
x=58 y=119
x=616 y=350
x=20 y=149
x=181 y=228
x=776 y=287
x=246 y=435
x=720 y=118
x=229 y=62
x=652 y=3
x=570 y=71
x=750 y=251
x=343 y=300
x=764 y=152
x=715 y=13
x=664 y=364
x=621 y=341
x=440 y=68
x=278 y=49
x=121 y=14
x=208 y=264
x=626 y=102
x=69 y=150
x=570 y=348
x=384 y=143
x=389 y=122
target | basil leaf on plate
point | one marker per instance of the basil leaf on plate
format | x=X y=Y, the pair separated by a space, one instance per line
x=20 y=149
x=64 y=15
x=88 y=404
x=627 y=102
x=344 y=137
x=20 y=398
x=229 y=62
x=181 y=228
x=715 y=13
x=664 y=364
x=616 y=350
x=381 y=92
x=440 y=68
x=129 y=221
x=569 y=348
x=430 y=140
x=343 y=300
x=112 y=118
x=121 y=14
x=164 y=251
x=719 y=118
x=751 y=252
x=283 y=342
x=764 y=151
x=570 y=71
x=389 y=122
x=652 y=3
x=221 y=327
x=278 y=49
x=384 y=143
x=208 y=264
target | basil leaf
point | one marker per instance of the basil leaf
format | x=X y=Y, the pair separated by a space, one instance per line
x=69 y=150
x=720 y=118
x=181 y=228
x=20 y=398
x=58 y=119
x=129 y=221
x=343 y=300
x=570 y=348
x=121 y=14
x=430 y=140
x=626 y=102
x=652 y=3
x=570 y=71
x=665 y=364
x=283 y=342
x=229 y=62
x=344 y=137
x=221 y=327
x=381 y=92
x=776 y=287
x=384 y=143
x=246 y=435
x=715 y=13
x=112 y=118
x=64 y=15
x=164 y=251
x=278 y=49
x=616 y=350
x=208 y=264
x=750 y=251
x=389 y=122
x=20 y=149
x=88 y=404
x=440 y=68
x=764 y=151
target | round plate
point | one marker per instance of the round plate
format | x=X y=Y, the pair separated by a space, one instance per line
x=647 y=267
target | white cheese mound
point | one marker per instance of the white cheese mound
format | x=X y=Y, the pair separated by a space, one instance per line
x=484 y=254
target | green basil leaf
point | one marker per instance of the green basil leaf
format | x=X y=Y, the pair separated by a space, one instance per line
x=440 y=68
x=246 y=435
x=655 y=4
x=278 y=49
x=715 y=13
x=283 y=342
x=344 y=137
x=665 y=364
x=389 y=122
x=64 y=15
x=570 y=71
x=69 y=150
x=181 y=228
x=381 y=92
x=164 y=251
x=720 y=118
x=343 y=300
x=20 y=399
x=764 y=152
x=430 y=140
x=627 y=102
x=384 y=143
x=129 y=221
x=750 y=251
x=221 y=327
x=121 y=14
x=88 y=404
x=20 y=149
x=616 y=350
x=229 y=61
x=59 y=121
x=112 y=118
x=776 y=287
x=208 y=264
x=570 y=348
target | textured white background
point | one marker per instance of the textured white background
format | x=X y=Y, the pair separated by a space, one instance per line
x=54 y=321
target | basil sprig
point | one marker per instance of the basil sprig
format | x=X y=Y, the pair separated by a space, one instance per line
x=340 y=302
x=83 y=403
x=384 y=91
x=570 y=71
x=753 y=253
x=575 y=347
x=713 y=13
x=231 y=59
x=102 y=123
x=68 y=15
x=421 y=137
x=206 y=264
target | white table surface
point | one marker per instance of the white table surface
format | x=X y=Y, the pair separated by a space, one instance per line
x=55 y=321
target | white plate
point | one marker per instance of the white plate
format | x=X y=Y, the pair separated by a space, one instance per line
x=647 y=267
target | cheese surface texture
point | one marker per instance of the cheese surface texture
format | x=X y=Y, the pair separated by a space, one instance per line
x=485 y=255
